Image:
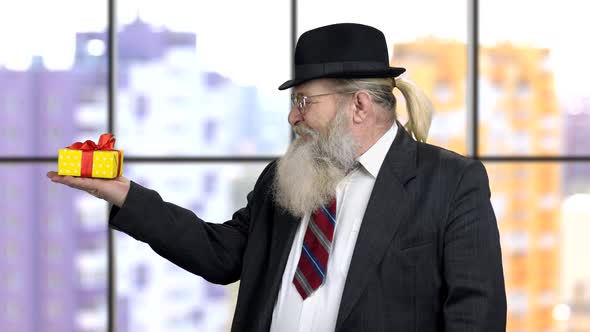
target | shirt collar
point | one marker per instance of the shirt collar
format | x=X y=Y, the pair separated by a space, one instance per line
x=373 y=158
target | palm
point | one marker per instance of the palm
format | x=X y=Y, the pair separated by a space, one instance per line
x=112 y=190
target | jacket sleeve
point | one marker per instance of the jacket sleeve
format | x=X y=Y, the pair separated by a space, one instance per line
x=211 y=250
x=476 y=297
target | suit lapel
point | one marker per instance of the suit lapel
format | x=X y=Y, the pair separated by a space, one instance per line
x=388 y=206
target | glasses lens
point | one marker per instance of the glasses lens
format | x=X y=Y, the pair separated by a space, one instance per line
x=301 y=103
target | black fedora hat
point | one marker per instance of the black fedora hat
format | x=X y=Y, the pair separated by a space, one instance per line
x=344 y=50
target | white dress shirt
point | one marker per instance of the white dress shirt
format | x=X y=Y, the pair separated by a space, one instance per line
x=320 y=310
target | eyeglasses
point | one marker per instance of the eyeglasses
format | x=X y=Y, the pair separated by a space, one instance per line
x=301 y=101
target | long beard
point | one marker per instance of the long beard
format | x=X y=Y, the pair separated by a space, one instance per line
x=312 y=167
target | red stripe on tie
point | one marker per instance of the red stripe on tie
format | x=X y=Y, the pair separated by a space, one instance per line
x=305 y=266
x=298 y=286
x=324 y=224
x=316 y=248
x=314 y=279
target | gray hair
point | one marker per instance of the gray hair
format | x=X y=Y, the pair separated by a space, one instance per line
x=419 y=107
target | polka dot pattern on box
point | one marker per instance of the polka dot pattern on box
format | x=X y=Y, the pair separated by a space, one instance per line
x=69 y=162
x=104 y=164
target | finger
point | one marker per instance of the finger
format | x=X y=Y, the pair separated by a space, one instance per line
x=53 y=176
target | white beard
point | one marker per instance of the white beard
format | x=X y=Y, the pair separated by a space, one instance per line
x=312 y=167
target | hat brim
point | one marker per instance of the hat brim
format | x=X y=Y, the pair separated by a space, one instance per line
x=390 y=72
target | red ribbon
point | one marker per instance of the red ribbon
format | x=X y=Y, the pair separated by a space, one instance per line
x=106 y=142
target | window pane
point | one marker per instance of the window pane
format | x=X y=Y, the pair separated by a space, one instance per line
x=155 y=295
x=205 y=76
x=52 y=75
x=431 y=46
x=543 y=211
x=534 y=97
x=53 y=262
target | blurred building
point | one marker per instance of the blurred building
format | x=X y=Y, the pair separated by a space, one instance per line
x=41 y=242
x=53 y=244
x=439 y=68
x=169 y=105
x=523 y=101
x=518 y=115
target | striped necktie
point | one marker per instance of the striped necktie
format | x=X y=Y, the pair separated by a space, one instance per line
x=317 y=244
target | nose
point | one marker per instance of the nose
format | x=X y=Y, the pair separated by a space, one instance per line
x=294 y=116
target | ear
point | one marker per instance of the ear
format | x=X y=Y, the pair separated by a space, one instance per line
x=362 y=106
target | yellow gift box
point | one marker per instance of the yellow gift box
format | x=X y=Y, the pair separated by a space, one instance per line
x=89 y=159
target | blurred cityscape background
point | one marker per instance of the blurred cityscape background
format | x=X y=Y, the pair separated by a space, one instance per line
x=200 y=80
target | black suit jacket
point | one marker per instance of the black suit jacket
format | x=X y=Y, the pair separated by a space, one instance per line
x=427 y=257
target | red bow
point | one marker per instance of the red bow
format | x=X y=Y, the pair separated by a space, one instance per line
x=106 y=142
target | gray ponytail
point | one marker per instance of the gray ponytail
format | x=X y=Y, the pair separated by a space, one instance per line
x=419 y=108
x=381 y=89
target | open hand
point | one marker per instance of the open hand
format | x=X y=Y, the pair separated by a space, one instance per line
x=113 y=191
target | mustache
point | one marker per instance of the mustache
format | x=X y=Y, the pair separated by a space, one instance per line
x=303 y=129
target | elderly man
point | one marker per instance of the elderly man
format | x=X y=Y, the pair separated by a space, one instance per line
x=360 y=226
